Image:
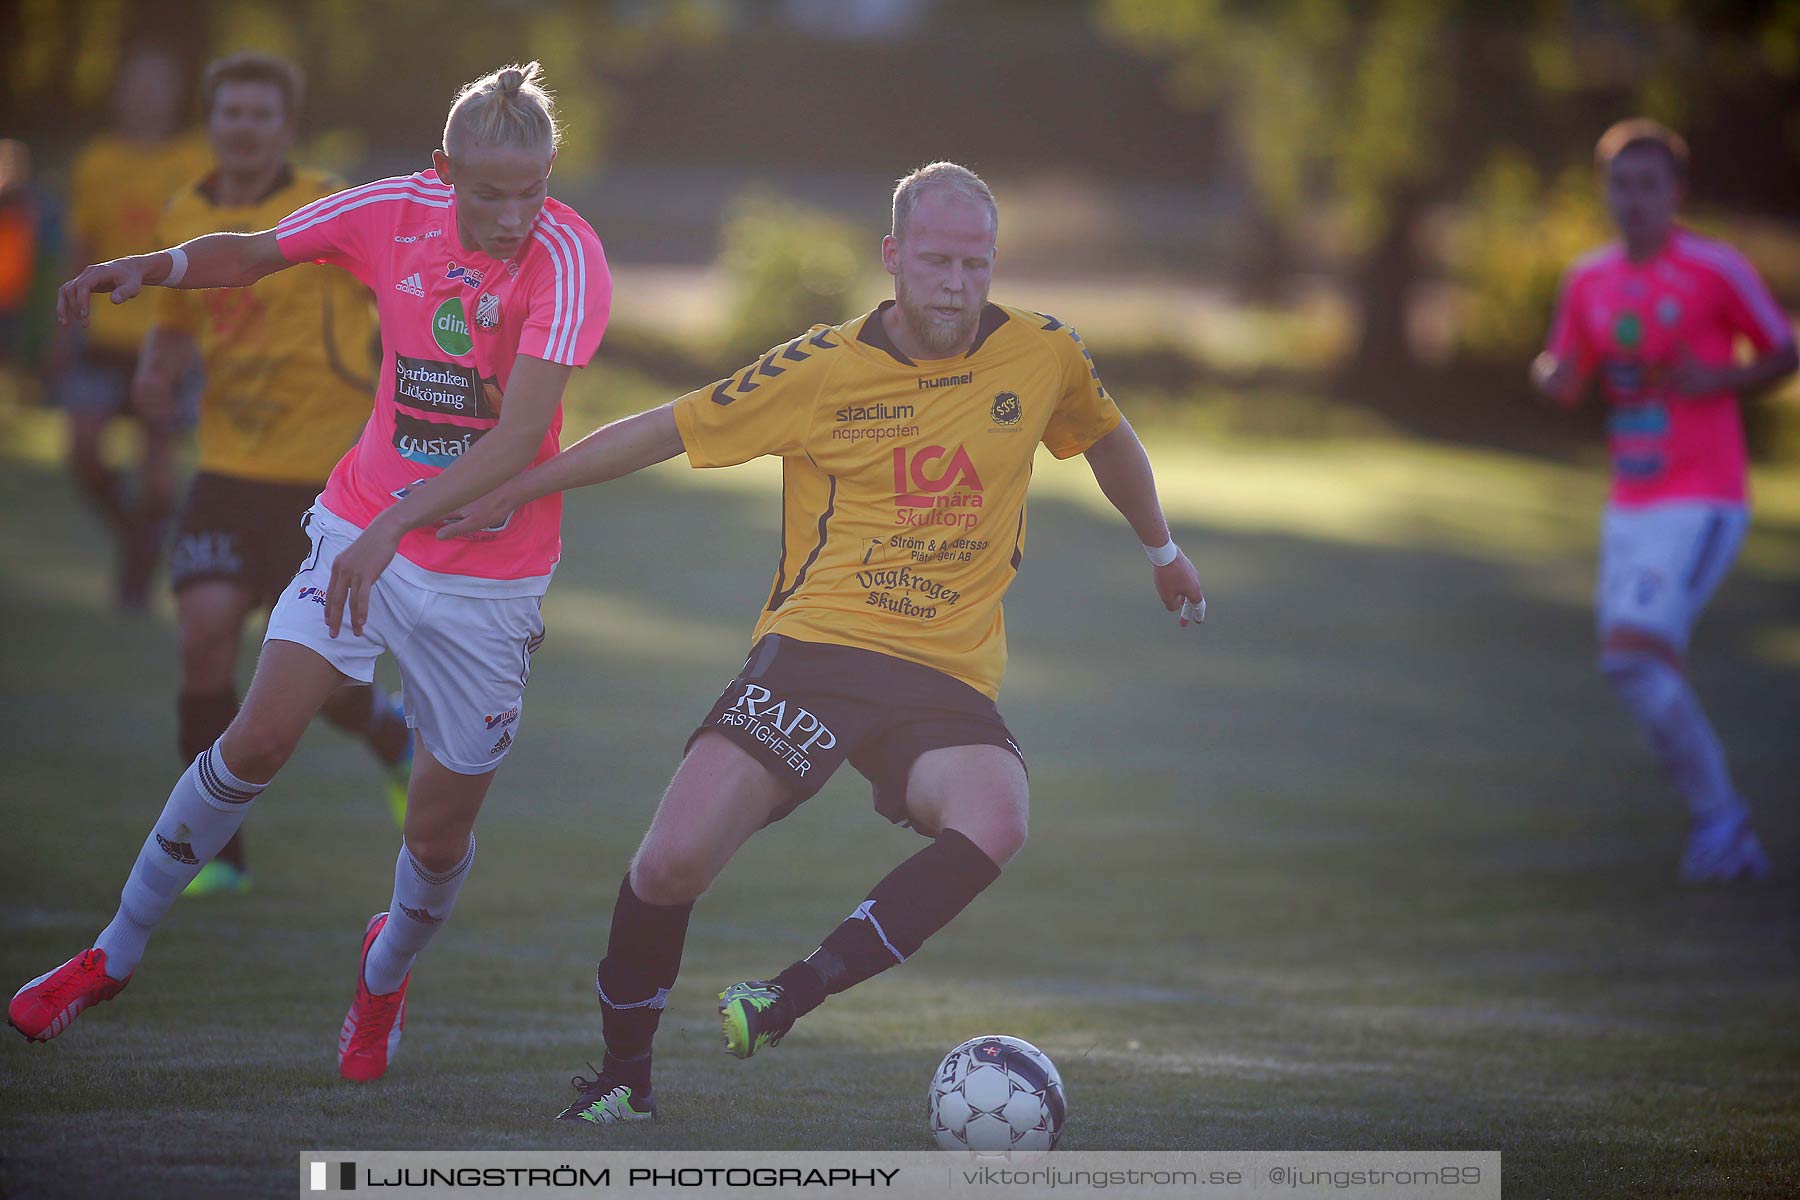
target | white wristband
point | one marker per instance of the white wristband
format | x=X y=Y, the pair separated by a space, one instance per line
x=1163 y=555
x=177 y=268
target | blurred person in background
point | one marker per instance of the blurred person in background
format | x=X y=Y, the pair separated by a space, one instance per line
x=21 y=222
x=120 y=182
x=32 y=254
x=18 y=243
x=290 y=368
x=1659 y=316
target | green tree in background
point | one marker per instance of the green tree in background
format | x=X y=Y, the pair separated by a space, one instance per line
x=789 y=267
x=373 y=51
x=1365 y=114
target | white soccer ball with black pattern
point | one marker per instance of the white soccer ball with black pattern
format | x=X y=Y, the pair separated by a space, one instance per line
x=995 y=1093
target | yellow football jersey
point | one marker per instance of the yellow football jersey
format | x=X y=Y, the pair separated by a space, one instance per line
x=903 y=482
x=117 y=192
x=290 y=361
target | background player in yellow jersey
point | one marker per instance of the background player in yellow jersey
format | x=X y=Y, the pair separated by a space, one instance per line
x=290 y=367
x=906 y=438
x=121 y=181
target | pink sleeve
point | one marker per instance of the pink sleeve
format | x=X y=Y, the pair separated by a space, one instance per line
x=570 y=297
x=1567 y=342
x=1749 y=308
x=332 y=231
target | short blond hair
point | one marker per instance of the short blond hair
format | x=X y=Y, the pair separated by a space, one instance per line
x=509 y=107
x=1634 y=132
x=947 y=175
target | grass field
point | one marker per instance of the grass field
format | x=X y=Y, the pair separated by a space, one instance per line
x=1370 y=862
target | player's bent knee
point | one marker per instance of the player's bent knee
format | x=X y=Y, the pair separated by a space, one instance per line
x=670 y=878
x=998 y=830
x=1645 y=682
x=1005 y=837
x=253 y=752
x=439 y=850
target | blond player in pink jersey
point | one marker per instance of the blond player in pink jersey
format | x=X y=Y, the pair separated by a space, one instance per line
x=1658 y=316
x=490 y=294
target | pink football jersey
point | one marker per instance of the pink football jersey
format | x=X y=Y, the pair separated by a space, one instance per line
x=453 y=321
x=1634 y=322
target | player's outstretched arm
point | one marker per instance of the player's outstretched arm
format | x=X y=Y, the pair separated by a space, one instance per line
x=216 y=260
x=533 y=391
x=1122 y=470
x=607 y=453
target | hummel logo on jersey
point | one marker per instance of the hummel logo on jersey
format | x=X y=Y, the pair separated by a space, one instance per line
x=412 y=285
x=946 y=381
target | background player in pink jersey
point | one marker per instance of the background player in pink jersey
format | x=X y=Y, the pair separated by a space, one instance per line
x=490 y=293
x=1659 y=316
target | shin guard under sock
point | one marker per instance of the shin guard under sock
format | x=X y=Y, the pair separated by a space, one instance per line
x=643 y=957
x=918 y=898
x=205 y=808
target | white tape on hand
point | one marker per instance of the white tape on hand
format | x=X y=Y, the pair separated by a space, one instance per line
x=1193 y=611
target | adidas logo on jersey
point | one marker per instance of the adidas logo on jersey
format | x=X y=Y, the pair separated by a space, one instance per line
x=412 y=285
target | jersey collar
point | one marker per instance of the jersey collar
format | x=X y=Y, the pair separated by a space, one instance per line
x=875 y=334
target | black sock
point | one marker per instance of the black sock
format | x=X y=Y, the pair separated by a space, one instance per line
x=643 y=956
x=201 y=717
x=143 y=530
x=104 y=491
x=918 y=898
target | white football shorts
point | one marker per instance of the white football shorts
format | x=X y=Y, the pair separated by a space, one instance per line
x=1661 y=563
x=464 y=660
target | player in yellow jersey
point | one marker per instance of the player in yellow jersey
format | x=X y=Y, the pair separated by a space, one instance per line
x=121 y=180
x=906 y=439
x=290 y=365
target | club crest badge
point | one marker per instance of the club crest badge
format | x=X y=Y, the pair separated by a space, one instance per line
x=487 y=311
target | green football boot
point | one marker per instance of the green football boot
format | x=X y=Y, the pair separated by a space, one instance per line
x=753 y=1015
x=606 y=1100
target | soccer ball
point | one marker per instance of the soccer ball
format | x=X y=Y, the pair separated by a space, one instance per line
x=995 y=1093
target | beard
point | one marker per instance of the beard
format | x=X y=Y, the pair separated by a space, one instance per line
x=936 y=334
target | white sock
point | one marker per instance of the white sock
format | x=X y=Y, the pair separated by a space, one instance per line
x=204 y=810
x=422 y=903
x=1680 y=736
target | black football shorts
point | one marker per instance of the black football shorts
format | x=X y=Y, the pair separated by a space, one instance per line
x=804 y=708
x=242 y=531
